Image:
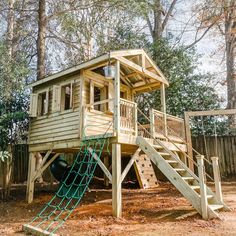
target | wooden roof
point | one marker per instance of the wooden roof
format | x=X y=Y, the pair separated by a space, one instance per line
x=137 y=69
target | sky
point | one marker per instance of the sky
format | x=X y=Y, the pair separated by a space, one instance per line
x=209 y=48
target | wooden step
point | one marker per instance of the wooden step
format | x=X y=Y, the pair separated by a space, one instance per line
x=194 y=187
x=172 y=161
x=208 y=196
x=187 y=178
x=164 y=154
x=179 y=169
x=216 y=207
x=36 y=231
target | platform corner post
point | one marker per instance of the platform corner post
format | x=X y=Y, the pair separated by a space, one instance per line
x=30 y=178
x=116 y=180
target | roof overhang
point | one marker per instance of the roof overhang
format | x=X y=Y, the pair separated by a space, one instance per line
x=135 y=62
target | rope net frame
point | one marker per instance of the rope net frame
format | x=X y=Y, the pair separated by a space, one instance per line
x=69 y=194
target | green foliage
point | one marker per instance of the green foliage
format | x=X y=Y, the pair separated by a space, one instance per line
x=188 y=90
x=13 y=99
x=123 y=37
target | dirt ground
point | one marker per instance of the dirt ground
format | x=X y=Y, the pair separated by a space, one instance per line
x=161 y=211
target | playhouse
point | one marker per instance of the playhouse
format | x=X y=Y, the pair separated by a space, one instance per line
x=90 y=109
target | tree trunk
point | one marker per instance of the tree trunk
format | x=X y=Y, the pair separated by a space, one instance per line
x=230 y=68
x=10 y=28
x=41 y=47
x=157 y=30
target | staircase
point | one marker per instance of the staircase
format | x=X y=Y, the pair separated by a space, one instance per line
x=181 y=177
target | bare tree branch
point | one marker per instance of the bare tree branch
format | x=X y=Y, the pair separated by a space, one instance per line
x=170 y=10
x=200 y=38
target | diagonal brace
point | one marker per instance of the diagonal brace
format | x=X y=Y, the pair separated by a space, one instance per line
x=100 y=163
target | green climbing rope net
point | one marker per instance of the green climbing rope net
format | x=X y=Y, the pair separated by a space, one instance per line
x=69 y=195
x=74 y=185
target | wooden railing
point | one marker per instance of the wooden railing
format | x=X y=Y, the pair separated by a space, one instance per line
x=166 y=125
x=128 y=117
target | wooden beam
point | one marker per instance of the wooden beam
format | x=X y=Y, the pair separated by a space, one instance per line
x=131 y=162
x=141 y=70
x=203 y=188
x=46 y=157
x=117 y=100
x=124 y=53
x=156 y=68
x=189 y=141
x=43 y=168
x=106 y=163
x=30 y=179
x=144 y=87
x=100 y=163
x=116 y=180
x=212 y=112
x=36 y=231
x=216 y=173
x=131 y=74
x=74 y=69
x=163 y=108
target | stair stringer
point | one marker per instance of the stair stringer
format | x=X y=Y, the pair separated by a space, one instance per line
x=174 y=177
x=190 y=172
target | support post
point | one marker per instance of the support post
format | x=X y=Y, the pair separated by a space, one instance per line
x=152 y=123
x=116 y=180
x=117 y=100
x=106 y=163
x=30 y=179
x=136 y=119
x=39 y=163
x=216 y=172
x=189 y=141
x=163 y=108
x=203 y=189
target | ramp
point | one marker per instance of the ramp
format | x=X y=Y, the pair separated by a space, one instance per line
x=70 y=192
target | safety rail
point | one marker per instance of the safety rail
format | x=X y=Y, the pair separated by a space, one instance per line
x=186 y=156
x=128 y=117
x=167 y=124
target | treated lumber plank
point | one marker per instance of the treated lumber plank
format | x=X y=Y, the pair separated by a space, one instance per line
x=37 y=231
x=141 y=70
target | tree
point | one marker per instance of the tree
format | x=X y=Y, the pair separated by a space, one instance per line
x=188 y=90
x=220 y=17
x=41 y=40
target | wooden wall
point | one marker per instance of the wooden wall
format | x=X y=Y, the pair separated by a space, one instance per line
x=98 y=123
x=58 y=125
x=226 y=151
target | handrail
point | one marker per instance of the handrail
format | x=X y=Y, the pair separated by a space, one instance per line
x=128 y=101
x=173 y=154
x=169 y=116
x=99 y=103
x=185 y=154
x=183 y=140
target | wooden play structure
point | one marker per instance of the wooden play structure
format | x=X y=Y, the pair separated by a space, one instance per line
x=79 y=106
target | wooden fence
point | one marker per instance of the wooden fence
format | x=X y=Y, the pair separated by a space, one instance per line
x=20 y=163
x=224 y=147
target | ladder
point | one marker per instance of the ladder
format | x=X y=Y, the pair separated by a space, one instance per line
x=181 y=176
